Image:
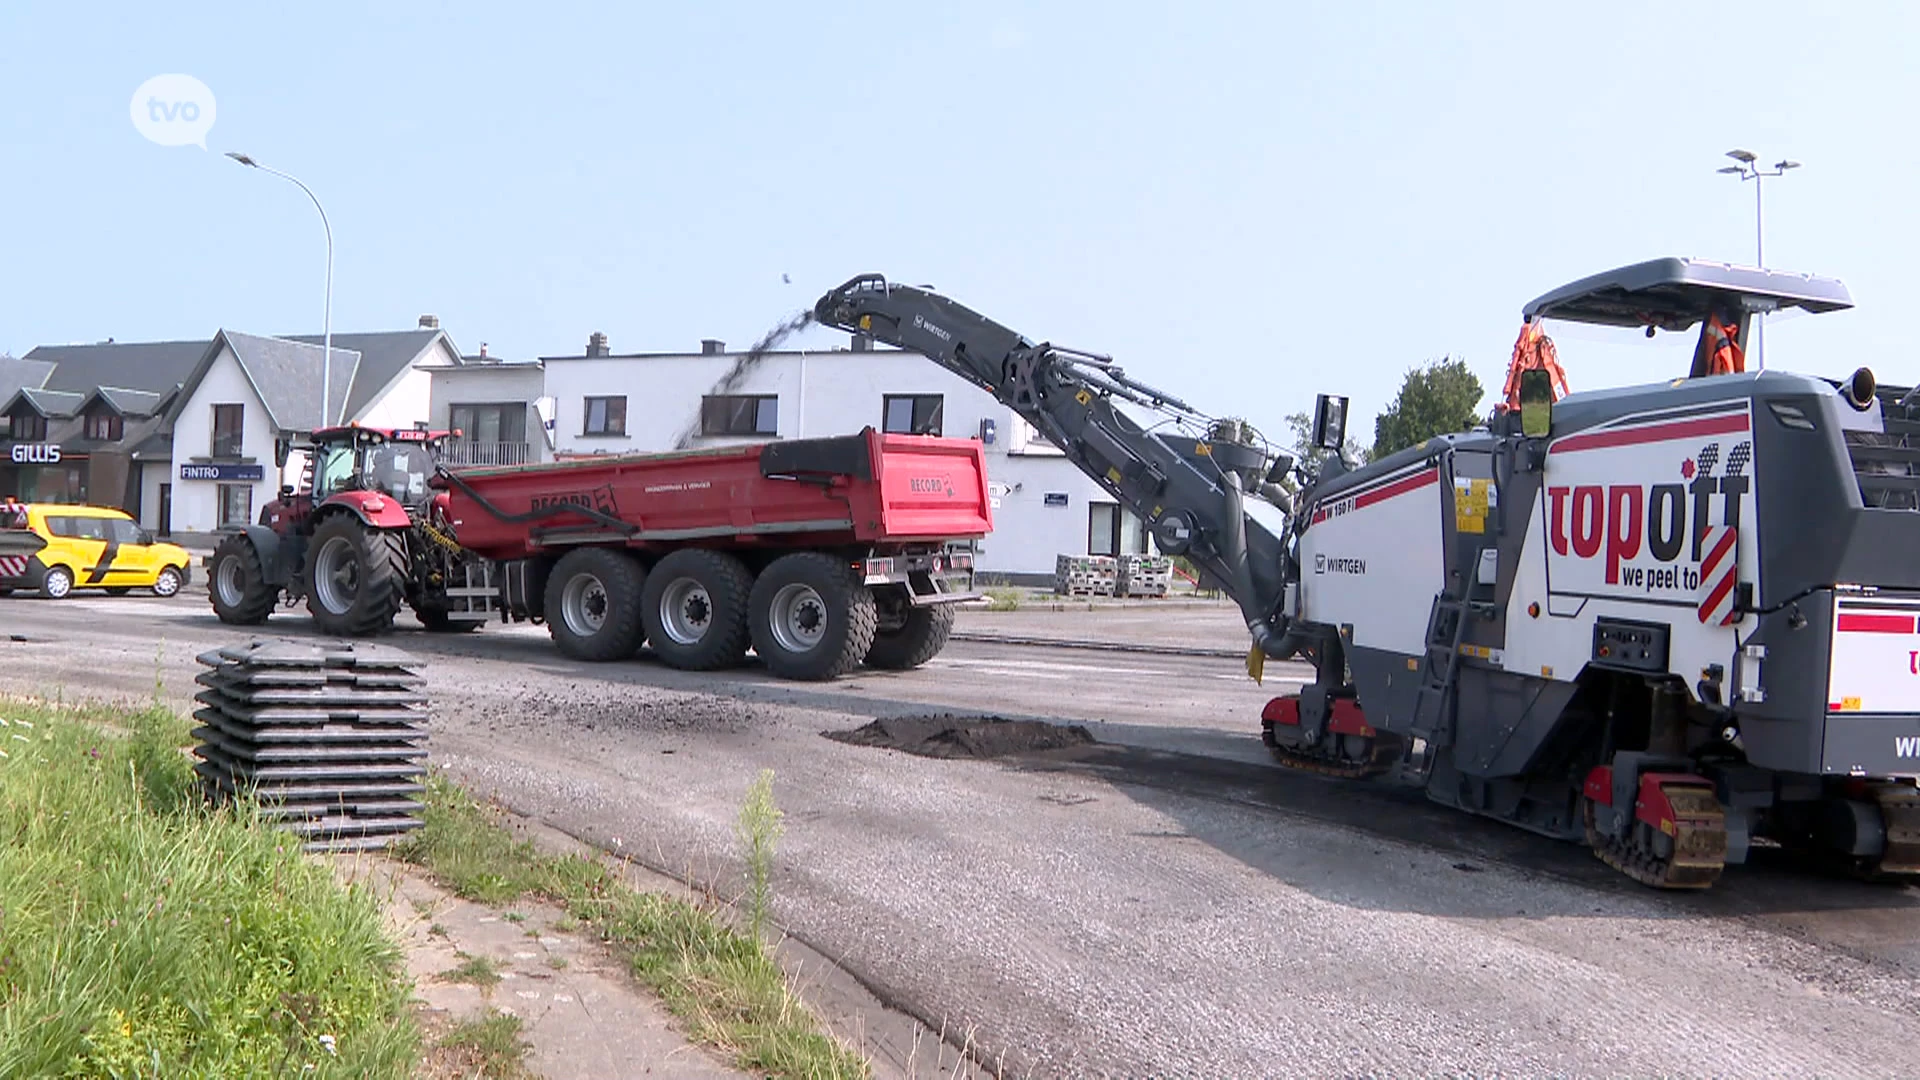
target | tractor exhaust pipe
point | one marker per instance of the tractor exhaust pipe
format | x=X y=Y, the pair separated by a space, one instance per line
x=1858 y=389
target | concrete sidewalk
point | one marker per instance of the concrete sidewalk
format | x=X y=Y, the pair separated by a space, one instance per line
x=1204 y=629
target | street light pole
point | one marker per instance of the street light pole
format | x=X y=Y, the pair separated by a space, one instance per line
x=326 y=348
x=1749 y=170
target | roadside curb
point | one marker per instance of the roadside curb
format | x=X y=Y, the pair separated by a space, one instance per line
x=1098 y=646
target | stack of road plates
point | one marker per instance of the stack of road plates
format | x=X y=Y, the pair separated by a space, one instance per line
x=328 y=738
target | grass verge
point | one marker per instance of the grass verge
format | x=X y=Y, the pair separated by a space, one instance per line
x=488 y=1045
x=722 y=983
x=143 y=933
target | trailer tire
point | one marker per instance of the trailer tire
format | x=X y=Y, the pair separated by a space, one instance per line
x=917 y=641
x=376 y=569
x=237 y=585
x=695 y=610
x=813 y=618
x=593 y=603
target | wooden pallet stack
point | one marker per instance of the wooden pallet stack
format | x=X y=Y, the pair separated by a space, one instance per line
x=1084 y=575
x=329 y=739
x=1144 y=575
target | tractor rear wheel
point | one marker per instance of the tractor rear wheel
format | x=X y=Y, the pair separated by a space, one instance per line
x=357 y=577
x=593 y=604
x=237 y=585
x=813 y=617
x=918 y=639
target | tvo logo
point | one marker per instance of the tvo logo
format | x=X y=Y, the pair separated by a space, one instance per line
x=173 y=110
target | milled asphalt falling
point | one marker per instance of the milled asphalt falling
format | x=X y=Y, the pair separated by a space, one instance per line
x=1156 y=915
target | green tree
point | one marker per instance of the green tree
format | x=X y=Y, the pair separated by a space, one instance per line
x=1442 y=396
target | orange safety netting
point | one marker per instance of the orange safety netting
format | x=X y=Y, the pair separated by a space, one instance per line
x=1533 y=351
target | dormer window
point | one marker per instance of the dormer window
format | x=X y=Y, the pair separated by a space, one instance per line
x=105 y=427
x=29 y=427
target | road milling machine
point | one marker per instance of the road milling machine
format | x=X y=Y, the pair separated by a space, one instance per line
x=1671 y=621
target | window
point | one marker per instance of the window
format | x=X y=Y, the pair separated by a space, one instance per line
x=606 y=416
x=740 y=414
x=337 y=464
x=29 y=427
x=1103 y=529
x=104 y=427
x=126 y=533
x=1113 y=531
x=228 y=421
x=236 y=504
x=78 y=528
x=502 y=422
x=911 y=414
x=1024 y=438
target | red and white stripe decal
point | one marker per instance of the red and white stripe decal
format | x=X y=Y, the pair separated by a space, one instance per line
x=1659 y=432
x=12 y=566
x=1382 y=493
x=1875 y=624
x=1719 y=567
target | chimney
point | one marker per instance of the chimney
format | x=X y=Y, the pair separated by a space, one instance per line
x=429 y=322
x=862 y=343
x=597 y=344
x=712 y=347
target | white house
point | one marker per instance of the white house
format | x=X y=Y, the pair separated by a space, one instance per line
x=499 y=407
x=182 y=433
x=606 y=403
x=250 y=393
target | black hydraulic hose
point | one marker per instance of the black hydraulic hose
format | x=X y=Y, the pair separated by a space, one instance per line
x=625 y=528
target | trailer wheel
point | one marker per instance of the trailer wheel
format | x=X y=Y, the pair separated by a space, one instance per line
x=593 y=604
x=358 y=577
x=919 y=639
x=696 y=609
x=813 y=617
x=237 y=584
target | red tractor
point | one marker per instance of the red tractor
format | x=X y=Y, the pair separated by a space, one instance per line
x=364 y=534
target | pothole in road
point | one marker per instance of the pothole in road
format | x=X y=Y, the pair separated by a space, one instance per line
x=951 y=735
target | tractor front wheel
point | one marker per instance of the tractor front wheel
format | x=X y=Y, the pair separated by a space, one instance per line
x=356 y=577
x=237 y=585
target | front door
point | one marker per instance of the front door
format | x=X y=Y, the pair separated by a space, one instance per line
x=132 y=559
x=166 y=510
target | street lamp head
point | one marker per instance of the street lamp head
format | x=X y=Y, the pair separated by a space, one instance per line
x=1741 y=155
x=1731 y=169
x=242 y=159
x=1787 y=165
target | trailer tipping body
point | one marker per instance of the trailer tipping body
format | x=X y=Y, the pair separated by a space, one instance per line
x=865 y=489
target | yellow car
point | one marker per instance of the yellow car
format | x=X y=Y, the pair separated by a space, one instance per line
x=55 y=549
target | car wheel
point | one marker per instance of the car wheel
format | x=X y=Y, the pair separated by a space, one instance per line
x=167 y=583
x=58 y=584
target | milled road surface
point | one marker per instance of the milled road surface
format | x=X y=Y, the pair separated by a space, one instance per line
x=1165 y=902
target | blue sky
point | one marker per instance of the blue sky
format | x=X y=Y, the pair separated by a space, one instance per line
x=1245 y=203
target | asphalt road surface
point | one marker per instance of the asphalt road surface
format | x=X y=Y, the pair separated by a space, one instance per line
x=1161 y=902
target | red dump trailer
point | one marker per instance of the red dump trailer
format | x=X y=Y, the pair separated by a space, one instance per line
x=819 y=554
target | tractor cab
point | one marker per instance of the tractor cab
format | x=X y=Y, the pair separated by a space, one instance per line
x=396 y=463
